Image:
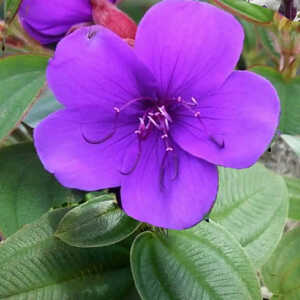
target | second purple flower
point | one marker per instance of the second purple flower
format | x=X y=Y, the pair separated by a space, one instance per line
x=48 y=21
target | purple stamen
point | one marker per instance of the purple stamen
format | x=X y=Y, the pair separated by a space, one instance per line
x=163 y=166
x=136 y=160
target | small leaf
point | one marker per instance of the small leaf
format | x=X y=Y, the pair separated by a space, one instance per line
x=36 y=265
x=27 y=190
x=96 y=223
x=282 y=272
x=45 y=105
x=136 y=9
x=204 y=262
x=21 y=79
x=293 y=185
x=289 y=94
x=250 y=40
x=268 y=43
x=293 y=142
x=247 y=11
x=253 y=205
x=10 y=9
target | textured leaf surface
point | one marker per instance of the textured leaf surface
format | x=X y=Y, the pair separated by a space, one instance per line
x=45 y=105
x=293 y=185
x=289 y=94
x=204 y=262
x=26 y=190
x=98 y=222
x=252 y=204
x=21 y=79
x=36 y=265
x=282 y=272
x=248 y=11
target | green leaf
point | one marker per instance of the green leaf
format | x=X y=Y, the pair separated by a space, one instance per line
x=36 y=265
x=250 y=39
x=253 y=205
x=27 y=190
x=293 y=142
x=204 y=262
x=21 y=79
x=96 y=223
x=293 y=185
x=45 y=105
x=248 y=11
x=10 y=9
x=268 y=43
x=289 y=94
x=136 y=9
x=281 y=274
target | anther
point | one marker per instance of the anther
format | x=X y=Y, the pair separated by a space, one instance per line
x=164 y=112
x=167 y=124
x=153 y=122
x=116 y=109
x=137 y=131
x=169 y=149
x=164 y=136
x=197 y=114
x=179 y=99
x=194 y=100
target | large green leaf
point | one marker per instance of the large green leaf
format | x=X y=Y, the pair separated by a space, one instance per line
x=292 y=141
x=281 y=274
x=252 y=204
x=289 y=94
x=10 y=9
x=204 y=262
x=248 y=11
x=293 y=185
x=45 y=105
x=36 y=265
x=21 y=79
x=26 y=189
x=98 y=222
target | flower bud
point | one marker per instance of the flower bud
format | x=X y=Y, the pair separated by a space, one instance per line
x=108 y=15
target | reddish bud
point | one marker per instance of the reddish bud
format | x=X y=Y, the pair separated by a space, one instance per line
x=109 y=16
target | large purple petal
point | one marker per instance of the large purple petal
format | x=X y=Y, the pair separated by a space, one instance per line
x=175 y=192
x=68 y=144
x=185 y=42
x=237 y=122
x=48 y=20
x=94 y=66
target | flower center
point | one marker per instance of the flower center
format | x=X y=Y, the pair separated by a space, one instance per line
x=158 y=115
x=155 y=117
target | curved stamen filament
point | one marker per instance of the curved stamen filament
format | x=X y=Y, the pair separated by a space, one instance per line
x=117 y=111
x=218 y=141
x=136 y=160
x=164 y=166
x=104 y=139
x=130 y=102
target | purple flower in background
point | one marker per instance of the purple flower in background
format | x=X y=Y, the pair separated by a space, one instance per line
x=157 y=119
x=47 y=21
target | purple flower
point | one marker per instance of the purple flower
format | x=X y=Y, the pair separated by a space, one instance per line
x=157 y=119
x=47 y=21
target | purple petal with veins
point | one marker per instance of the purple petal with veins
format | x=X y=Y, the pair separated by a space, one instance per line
x=157 y=119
